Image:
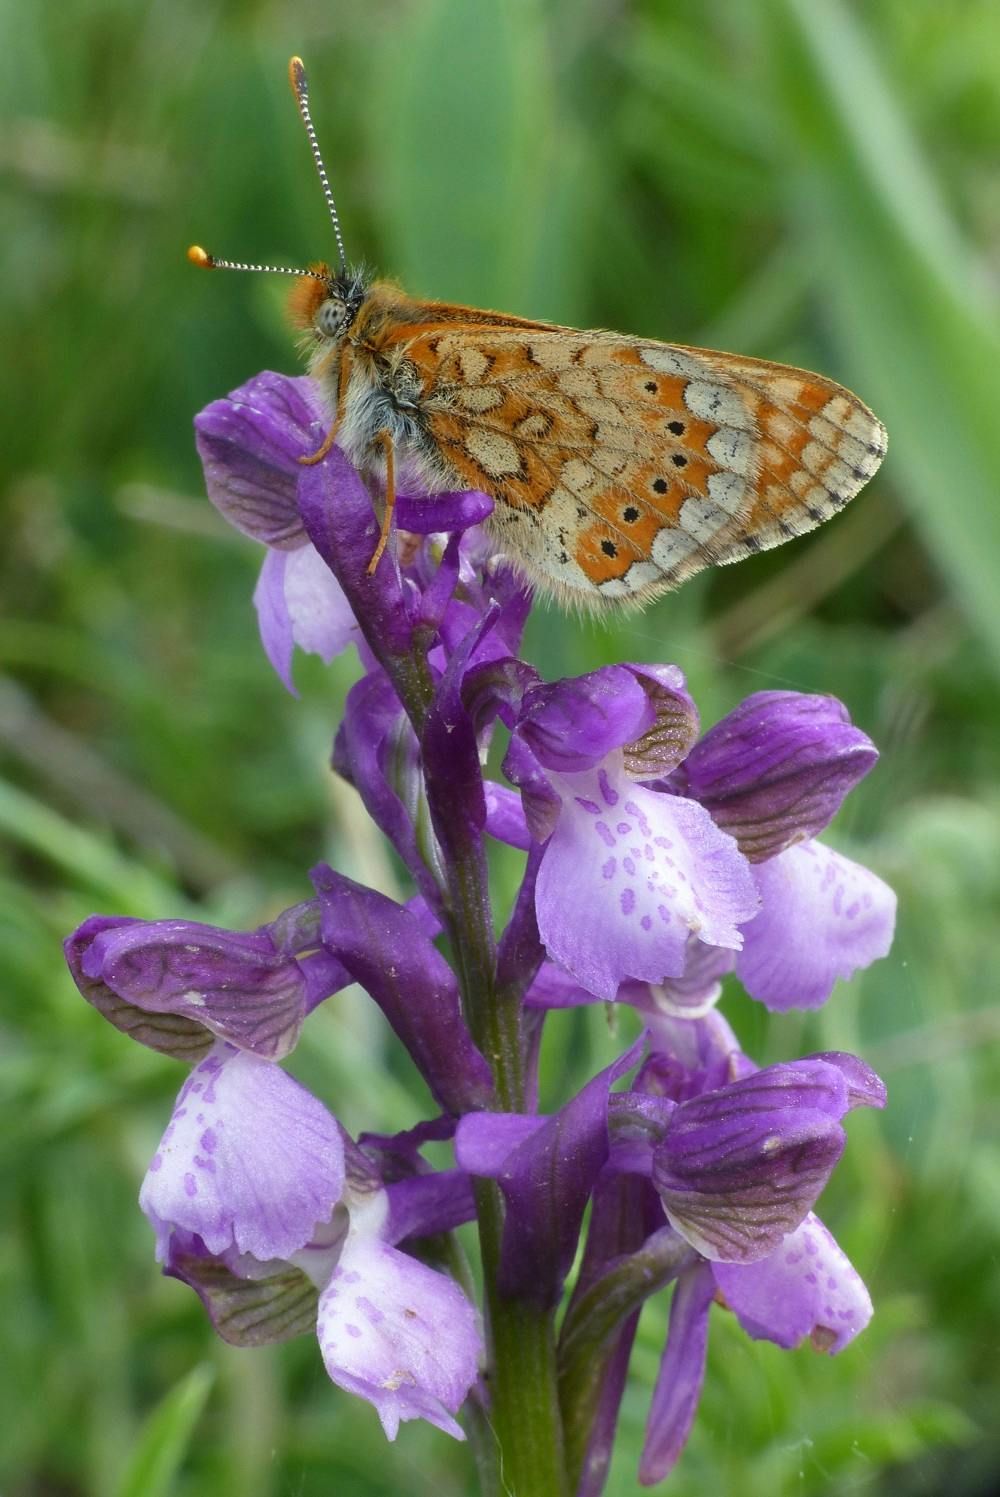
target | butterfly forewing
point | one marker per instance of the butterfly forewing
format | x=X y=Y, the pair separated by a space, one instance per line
x=620 y=466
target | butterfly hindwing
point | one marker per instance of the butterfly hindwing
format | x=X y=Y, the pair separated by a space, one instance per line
x=620 y=466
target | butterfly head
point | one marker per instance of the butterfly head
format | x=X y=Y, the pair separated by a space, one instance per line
x=325 y=302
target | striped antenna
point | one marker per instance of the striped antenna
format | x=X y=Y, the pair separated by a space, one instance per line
x=300 y=89
x=201 y=257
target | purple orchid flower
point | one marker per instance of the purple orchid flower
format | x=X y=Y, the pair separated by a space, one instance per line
x=657 y=861
x=250 y=444
x=774 y=773
x=176 y=985
x=248 y=1192
x=770 y=775
x=249 y=1187
x=628 y=872
x=803 y=1288
x=734 y=1158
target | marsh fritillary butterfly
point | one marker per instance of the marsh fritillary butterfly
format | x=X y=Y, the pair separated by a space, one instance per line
x=618 y=466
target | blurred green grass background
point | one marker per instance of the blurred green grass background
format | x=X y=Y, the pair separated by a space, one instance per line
x=806 y=180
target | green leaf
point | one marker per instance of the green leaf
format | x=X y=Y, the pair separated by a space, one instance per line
x=463 y=109
x=164 y=1441
x=901 y=292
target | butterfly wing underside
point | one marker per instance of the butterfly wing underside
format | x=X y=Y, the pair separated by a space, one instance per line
x=620 y=467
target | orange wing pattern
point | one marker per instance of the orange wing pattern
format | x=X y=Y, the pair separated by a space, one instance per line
x=619 y=466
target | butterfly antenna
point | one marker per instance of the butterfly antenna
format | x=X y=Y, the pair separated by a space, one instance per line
x=300 y=88
x=201 y=257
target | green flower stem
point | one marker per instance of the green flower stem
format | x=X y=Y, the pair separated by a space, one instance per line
x=522 y=1363
x=524 y=1402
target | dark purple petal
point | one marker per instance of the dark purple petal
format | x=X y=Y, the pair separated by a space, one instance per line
x=376 y=751
x=808 y=1287
x=775 y=771
x=398 y=1334
x=547 y=1182
x=452 y=770
x=682 y=1372
x=628 y=874
x=689 y=1057
x=384 y=949
x=428 y=514
x=337 y=512
x=822 y=917
x=251 y=1162
x=505 y=819
x=427 y=1204
x=864 y=1087
x=233 y=984
x=740 y=1167
x=669 y=739
x=571 y=725
x=170 y=1033
x=250 y=444
x=255 y=1311
x=541 y=803
x=554 y=988
x=485 y=1140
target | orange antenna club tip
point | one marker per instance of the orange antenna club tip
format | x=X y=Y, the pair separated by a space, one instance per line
x=198 y=256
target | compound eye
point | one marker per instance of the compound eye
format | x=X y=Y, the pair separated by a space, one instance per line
x=330 y=317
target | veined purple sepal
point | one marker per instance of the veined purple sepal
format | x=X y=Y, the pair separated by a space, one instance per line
x=383 y=947
x=277 y=1305
x=776 y=769
x=250 y=444
x=497 y=688
x=232 y=984
x=572 y=725
x=739 y=1168
x=675 y=727
x=170 y=1033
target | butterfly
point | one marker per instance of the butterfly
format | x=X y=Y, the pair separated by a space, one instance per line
x=618 y=466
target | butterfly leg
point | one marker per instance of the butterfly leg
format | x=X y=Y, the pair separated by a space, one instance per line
x=385 y=438
x=307 y=459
